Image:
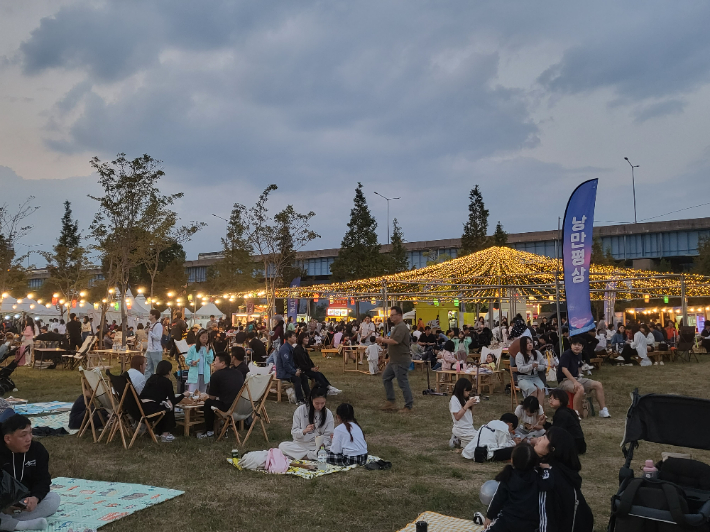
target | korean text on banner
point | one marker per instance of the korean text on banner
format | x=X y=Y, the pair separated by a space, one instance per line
x=576 y=254
x=292 y=310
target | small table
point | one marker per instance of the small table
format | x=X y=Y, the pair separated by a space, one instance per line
x=192 y=417
x=121 y=355
x=50 y=350
x=349 y=350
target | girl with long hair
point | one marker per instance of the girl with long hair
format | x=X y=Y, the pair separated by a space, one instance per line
x=199 y=358
x=566 y=419
x=310 y=422
x=349 y=446
x=461 y=408
x=529 y=362
x=158 y=396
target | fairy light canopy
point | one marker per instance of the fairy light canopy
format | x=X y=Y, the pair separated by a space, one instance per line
x=495 y=273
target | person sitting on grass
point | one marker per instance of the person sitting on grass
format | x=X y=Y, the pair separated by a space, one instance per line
x=28 y=462
x=309 y=421
x=497 y=436
x=516 y=506
x=349 y=446
x=531 y=418
x=566 y=419
x=226 y=383
x=568 y=378
x=158 y=396
x=461 y=409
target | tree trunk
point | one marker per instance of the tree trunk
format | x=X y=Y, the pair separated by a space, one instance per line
x=124 y=315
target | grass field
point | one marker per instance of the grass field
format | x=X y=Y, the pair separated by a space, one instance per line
x=425 y=474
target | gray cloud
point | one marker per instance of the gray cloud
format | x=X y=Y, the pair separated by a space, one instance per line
x=656 y=110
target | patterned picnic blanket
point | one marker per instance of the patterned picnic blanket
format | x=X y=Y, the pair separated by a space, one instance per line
x=54 y=421
x=443 y=523
x=90 y=504
x=35 y=409
x=306 y=473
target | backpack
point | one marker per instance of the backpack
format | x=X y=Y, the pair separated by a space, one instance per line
x=276 y=462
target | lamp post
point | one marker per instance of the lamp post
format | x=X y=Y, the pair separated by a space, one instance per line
x=388 y=213
x=633 y=183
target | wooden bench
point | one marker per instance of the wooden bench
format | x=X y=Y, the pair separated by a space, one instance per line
x=419 y=364
x=278 y=387
x=597 y=362
x=326 y=352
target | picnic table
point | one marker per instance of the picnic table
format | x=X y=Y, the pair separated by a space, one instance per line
x=51 y=350
x=191 y=418
x=123 y=356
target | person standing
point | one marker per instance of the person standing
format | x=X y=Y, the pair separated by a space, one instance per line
x=74 y=332
x=212 y=324
x=86 y=329
x=154 y=352
x=398 y=363
x=177 y=332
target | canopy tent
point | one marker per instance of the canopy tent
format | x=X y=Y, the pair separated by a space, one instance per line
x=10 y=305
x=210 y=309
x=493 y=273
x=167 y=313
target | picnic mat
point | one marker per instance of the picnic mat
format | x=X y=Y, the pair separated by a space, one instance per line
x=443 y=523
x=90 y=504
x=54 y=421
x=305 y=473
x=35 y=409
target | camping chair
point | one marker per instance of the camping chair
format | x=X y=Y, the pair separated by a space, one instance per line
x=132 y=404
x=121 y=421
x=679 y=499
x=71 y=361
x=249 y=402
x=686 y=342
x=93 y=385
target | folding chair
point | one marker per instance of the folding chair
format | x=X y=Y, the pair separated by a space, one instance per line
x=120 y=421
x=249 y=402
x=514 y=389
x=71 y=361
x=134 y=407
x=686 y=343
x=93 y=384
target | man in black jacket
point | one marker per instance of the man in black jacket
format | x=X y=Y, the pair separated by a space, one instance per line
x=74 y=332
x=28 y=462
x=225 y=384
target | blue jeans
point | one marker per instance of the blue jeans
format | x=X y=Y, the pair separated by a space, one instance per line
x=6 y=414
x=152 y=359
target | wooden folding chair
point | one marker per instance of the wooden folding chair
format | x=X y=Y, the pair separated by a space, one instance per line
x=94 y=386
x=120 y=420
x=514 y=389
x=74 y=360
x=134 y=407
x=250 y=402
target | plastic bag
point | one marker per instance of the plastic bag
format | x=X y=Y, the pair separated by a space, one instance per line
x=276 y=462
x=254 y=460
x=11 y=490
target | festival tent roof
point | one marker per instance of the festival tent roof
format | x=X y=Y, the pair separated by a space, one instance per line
x=187 y=313
x=210 y=309
x=489 y=274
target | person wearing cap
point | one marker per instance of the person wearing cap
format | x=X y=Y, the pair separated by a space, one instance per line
x=570 y=381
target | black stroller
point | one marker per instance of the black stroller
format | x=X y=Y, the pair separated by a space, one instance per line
x=679 y=499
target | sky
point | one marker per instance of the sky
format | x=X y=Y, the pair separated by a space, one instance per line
x=415 y=99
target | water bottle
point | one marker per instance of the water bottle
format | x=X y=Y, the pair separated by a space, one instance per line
x=322 y=457
x=649 y=471
x=235 y=456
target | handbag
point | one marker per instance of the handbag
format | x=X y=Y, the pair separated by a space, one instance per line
x=480 y=454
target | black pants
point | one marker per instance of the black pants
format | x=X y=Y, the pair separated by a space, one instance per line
x=209 y=413
x=502 y=455
x=166 y=423
x=316 y=376
x=628 y=353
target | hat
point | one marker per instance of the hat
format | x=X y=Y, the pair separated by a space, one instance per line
x=575 y=340
x=196 y=326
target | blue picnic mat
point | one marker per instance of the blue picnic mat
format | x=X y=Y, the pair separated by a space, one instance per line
x=90 y=504
x=54 y=421
x=35 y=409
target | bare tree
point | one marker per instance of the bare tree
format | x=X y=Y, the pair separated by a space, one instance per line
x=11 y=230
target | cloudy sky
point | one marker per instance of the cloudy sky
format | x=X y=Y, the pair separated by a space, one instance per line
x=413 y=98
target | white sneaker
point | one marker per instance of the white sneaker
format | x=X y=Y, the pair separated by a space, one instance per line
x=204 y=435
x=332 y=390
x=655 y=363
x=167 y=438
x=589 y=373
x=454 y=442
x=586 y=367
x=620 y=358
x=604 y=412
x=661 y=363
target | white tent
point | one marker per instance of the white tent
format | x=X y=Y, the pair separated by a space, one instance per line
x=210 y=309
x=187 y=313
x=410 y=315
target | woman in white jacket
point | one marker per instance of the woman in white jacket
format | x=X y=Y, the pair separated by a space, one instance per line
x=309 y=421
x=640 y=343
x=529 y=362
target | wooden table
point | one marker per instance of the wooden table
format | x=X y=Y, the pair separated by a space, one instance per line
x=44 y=350
x=192 y=416
x=485 y=379
x=660 y=356
x=123 y=356
x=349 y=350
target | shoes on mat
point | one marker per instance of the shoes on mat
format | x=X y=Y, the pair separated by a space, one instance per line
x=203 y=435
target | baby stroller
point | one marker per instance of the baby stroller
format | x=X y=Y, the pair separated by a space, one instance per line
x=679 y=498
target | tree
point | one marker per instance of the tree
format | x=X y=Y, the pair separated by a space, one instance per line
x=235 y=270
x=601 y=256
x=476 y=228
x=359 y=255
x=68 y=263
x=130 y=209
x=291 y=269
x=701 y=263
x=265 y=234
x=500 y=237
x=397 y=258
x=434 y=257
x=12 y=276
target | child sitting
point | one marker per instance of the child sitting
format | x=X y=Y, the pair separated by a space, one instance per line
x=490 y=362
x=531 y=418
x=497 y=436
x=445 y=358
x=515 y=506
x=349 y=446
x=373 y=355
x=461 y=409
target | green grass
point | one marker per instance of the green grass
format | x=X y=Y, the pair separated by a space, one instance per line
x=425 y=474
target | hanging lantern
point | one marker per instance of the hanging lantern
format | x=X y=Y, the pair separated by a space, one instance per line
x=73 y=303
x=117 y=306
x=373 y=301
x=646 y=298
x=456 y=301
x=352 y=301
x=129 y=304
x=330 y=300
x=55 y=301
x=665 y=299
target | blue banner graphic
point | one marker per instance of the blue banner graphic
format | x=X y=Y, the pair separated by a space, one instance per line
x=292 y=304
x=576 y=255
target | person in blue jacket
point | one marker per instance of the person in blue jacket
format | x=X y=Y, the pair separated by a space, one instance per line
x=286 y=369
x=199 y=358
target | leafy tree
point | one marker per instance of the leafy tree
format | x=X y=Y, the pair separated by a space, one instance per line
x=235 y=270
x=359 y=255
x=601 y=256
x=68 y=263
x=172 y=276
x=12 y=275
x=701 y=263
x=397 y=258
x=476 y=227
x=500 y=237
x=291 y=269
x=433 y=257
x=131 y=208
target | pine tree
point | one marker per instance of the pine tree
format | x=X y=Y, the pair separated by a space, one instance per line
x=475 y=229
x=285 y=245
x=701 y=263
x=359 y=256
x=397 y=260
x=235 y=270
x=500 y=237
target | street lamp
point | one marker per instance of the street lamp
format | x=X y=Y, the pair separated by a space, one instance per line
x=633 y=183
x=388 y=213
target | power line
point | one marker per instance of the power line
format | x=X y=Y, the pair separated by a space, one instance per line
x=673 y=212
